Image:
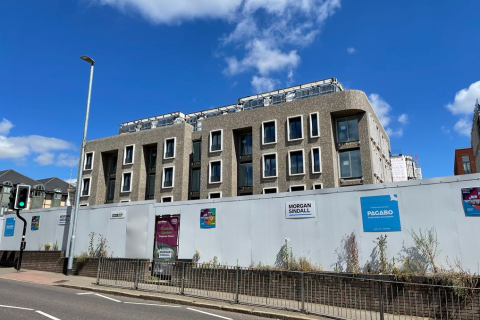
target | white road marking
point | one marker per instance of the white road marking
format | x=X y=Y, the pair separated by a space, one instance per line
x=81 y=293
x=46 y=315
x=12 y=307
x=210 y=314
x=151 y=304
x=107 y=297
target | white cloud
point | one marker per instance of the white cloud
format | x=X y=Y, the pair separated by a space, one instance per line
x=263 y=84
x=18 y=148
x=463 y=106
x=66 y=160
x=267 y=36
x=403 y=119
x=382 y=109
x=445 y=129
x=351 y=50
x=45 y=158
x=5 y=127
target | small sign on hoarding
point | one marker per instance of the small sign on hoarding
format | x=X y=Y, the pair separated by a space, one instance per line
x=9 y=227
x=300 y=209
x=63 y=219
x=119 y=214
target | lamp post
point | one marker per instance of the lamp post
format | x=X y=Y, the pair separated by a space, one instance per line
x=80 y=170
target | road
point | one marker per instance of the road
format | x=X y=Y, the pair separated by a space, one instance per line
x=29 y=301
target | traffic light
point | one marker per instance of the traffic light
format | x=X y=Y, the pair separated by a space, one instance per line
x=12 y=198
x=21 y=197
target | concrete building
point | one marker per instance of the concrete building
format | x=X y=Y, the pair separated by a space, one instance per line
x=45 y=193
x=311 y=136
x=403 y=167
x=464 y=162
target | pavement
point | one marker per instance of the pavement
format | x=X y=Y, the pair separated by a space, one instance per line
x=27 y=294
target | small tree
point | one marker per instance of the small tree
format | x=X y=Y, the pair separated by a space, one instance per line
x=351 y=250
x=427 y=245
x=381 y=243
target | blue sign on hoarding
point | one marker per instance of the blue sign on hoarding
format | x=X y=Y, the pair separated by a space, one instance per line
x=9 y=227
x=380 y=213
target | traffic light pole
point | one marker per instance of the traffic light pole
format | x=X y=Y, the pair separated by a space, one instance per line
x=23 y=243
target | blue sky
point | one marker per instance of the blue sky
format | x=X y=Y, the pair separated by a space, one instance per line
x=418 y=61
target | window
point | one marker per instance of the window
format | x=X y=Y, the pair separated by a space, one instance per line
x=195 y=180
x=197 y=151
x=270 y=190
x=295 y=130
x=86 y=187
x=466 y=164
x=169 y=148
x=168 y=177
x=57 y=196
x=269 y=132
x=111 y=190
x=126 y=182
x=317 y=186
x=270 y=165
x=124 y=201
x=246 y=175
x=245 y=144
x=314 y=132
x=296 y=162
x=167 y=199
x=216 y=141
x=316 y=161
x=347 y=129
x=128 y=155
x=297 y=188
x=215 y=172
x=112 y=164
x=88 y=161
x=152 y=159
x=150 y=192
x=214 y=195
x=350 y=164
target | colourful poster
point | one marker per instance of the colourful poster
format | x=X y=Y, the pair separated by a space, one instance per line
x=166 y=239
x=380 y=213
x=471 y=201
x=208 y=218
x=35 y=223
x=9 y=227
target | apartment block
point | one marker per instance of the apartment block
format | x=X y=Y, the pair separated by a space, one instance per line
x=310 y=136
x=464 y=162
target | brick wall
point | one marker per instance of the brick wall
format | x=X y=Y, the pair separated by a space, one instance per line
x=49 y=261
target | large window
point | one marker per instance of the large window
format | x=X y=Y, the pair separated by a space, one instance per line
x=270 y=165
x=88 y=161
x=126 y=182
x=350 y=164
x=169 y=148
x=216 y=143
x=112 y=164
x=111 y=189
x=215 y=172
x=246 y=175
x=269 y=132
x=296 y=162
x=197 y=151
x=150 y=192
x=195 y=180
x=168 y=177
x=245 y=144
x=314 y=132
x=128 y=154
x=466 y=164
x=295 y=130
x=347 y=129
x=152 y=159
x=316 y=161
x=86 y=187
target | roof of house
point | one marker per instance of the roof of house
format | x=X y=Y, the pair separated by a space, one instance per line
x=16 y=178
x=53 y=183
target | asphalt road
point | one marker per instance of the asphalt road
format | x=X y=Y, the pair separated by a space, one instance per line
x=44 y=302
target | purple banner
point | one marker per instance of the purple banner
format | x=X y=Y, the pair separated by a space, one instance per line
x=166 y=237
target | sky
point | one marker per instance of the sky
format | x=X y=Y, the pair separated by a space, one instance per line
x=417 y=61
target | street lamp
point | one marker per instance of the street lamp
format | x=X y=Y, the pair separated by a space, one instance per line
x=80 y=170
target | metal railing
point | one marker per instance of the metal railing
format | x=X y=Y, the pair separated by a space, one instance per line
x=330 y=294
